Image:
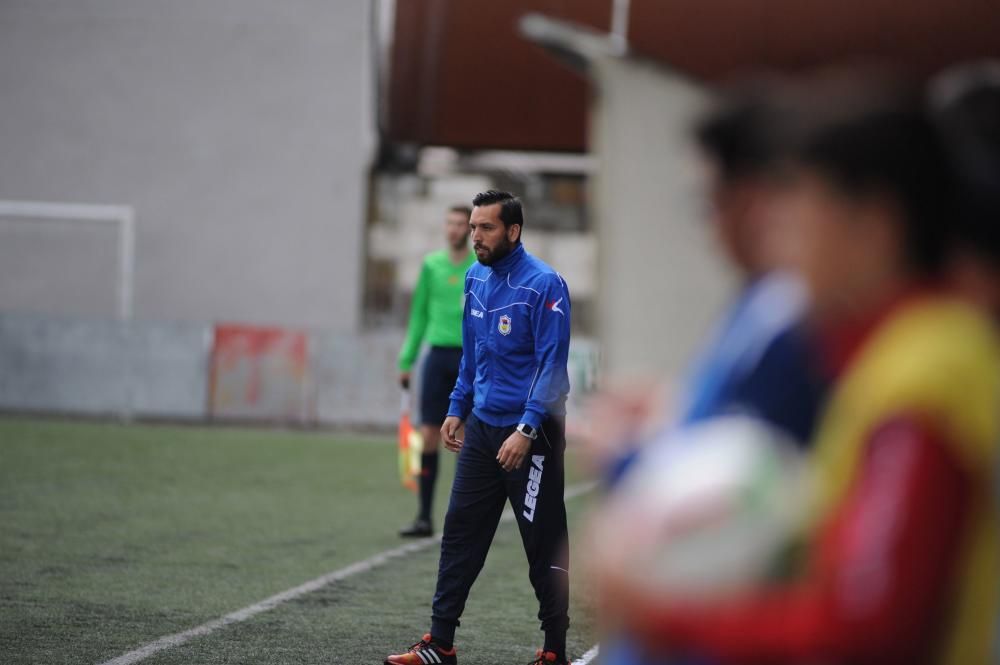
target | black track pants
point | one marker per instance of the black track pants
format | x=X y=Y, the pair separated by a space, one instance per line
x=480 y=490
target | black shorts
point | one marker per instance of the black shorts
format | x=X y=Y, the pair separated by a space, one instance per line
x=436 y=383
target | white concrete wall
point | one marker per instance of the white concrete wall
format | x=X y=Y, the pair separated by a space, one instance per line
x=240 y=130
x=153 y=370
x=102 y=367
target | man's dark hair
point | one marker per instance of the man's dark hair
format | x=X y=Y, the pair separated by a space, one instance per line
x=873 y=139
x=462 y=209
x=739 y=134
x=510 y=206
x=967 y=102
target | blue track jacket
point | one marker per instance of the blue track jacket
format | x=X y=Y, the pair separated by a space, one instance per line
x=515 y=343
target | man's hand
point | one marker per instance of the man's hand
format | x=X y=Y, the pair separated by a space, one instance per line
x=450 y=432
x=513 y=451
x=404 y=380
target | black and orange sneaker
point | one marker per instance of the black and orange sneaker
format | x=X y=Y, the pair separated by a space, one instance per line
x=547 y=658
x=424 y=652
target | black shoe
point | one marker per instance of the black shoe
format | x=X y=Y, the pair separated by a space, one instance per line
x=424 y=652
x=419 y=529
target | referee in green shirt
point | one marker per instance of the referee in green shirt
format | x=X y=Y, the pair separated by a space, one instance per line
x=436 y=317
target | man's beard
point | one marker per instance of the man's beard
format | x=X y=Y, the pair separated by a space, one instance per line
x=496 y=254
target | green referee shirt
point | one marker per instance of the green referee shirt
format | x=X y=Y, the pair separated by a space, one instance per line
x=436 y=312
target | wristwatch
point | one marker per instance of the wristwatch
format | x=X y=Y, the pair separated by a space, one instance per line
x=528 y=431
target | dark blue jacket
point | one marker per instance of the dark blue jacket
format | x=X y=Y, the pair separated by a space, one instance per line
x=515 y=343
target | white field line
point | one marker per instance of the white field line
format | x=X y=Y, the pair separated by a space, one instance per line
x=363 y=566
x=589 y=656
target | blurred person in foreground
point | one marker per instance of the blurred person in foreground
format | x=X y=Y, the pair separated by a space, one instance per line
x=967 y=102
x=511 y=399
x=436 y=317
x=760 y=361
x=901 y=556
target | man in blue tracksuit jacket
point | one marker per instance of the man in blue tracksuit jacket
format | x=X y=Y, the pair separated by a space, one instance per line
x=510 y=396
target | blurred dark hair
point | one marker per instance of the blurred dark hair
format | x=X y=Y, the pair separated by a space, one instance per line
x=739 y=133
x=510 y=206
x=873 y=138
x=461 y=208
x=967 y=102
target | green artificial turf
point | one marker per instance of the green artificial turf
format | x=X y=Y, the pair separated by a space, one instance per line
x=114 y=535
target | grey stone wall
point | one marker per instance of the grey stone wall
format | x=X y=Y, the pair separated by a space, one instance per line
x=239 y=130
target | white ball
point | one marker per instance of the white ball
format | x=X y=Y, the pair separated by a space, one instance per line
x=707 y=510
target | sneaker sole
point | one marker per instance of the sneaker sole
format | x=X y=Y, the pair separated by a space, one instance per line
x=387 y=662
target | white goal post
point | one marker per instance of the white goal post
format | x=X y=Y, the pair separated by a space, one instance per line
x=122 y=217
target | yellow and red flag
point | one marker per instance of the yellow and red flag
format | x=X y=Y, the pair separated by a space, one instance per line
x=410 y=446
